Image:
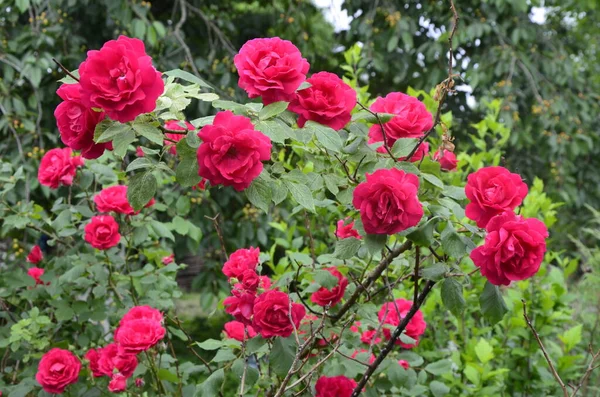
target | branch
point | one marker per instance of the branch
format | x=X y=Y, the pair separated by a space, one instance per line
x=383 y=133
x=392 y=342
x=371 y=278
x=177 y=33
x=215 y=222
x=539 y=341
x=64 y=69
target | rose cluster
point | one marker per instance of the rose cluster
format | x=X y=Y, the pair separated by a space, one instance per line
x=257 y=307
x=140 y=329
x=514 y=247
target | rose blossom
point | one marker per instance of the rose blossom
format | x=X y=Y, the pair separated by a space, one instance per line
x=238 y=331
x=344 y=230
x=240 y=305
x=139 y=152
x=93 y=355
x=35 y=256
x=336 y=386
x=111 y=359
x=232 y=151
x=58 y=368
x=120 y=79
x=328 y=101
x=139 y=382
x=388 y=201
x=77 y=122
x=412 y=119
x=491 y=191
x=113 y=199
x=272 y=314
x=241 y=260
x=513 y=250
x=102 y=232
x=118 y=383
x=167 y=260
x=173 y=125
x=58 y=167
x=447 y=159
x=357 y=352
x=330 y=297
x=142 y=313
x=250 y=280
x=404 y=364
x=135 y=336
x=370 y=337
x=271 y=68
x=36 y=273
x=392 y=313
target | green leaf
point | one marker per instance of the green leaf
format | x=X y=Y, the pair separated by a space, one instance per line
x=272 y=110
x=210 y=344
x=149 y=132
x=181 y=74
x=282 y=355
x=325 y=279
x=211 y=387
x=454 y=192
x=138 y=28
x=347 y=248
x=375 y=242
x=252 y=374
x=434 y=180
x=452 y=243
x=452 y=296
x=571 y=337
x=438 y=389
x=484 y=351
x=121 y=142
x=139 y=164
x=107 y=131
x=396 y=374
x=423 y=235
x=223 y=355
x=229 y=105
x=413 y=358
x=302 y=194
x=434 y=272
x=141 y=189
x=492 y=304
x=165 y=374
x=328 y=137
x=403 y=146
x=68 y=79
x=276 y=130
x=369 y=117
x=439 y=367
x=161 y=230
x=259 y=194
x=187 y=171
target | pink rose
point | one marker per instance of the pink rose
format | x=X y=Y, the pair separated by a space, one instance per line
x=135 y=336
x=35 y=273
x=491 y=191
x=240 y=305
x=336 y=386
x=392 y=313
x=110 y=359
x=58 y=368
x=330 y=297
x=113 y=199
x=173 y=125
x=35 y=256
x=241 y=260
x=513 y=249
x=404 y=364
x=77 y=123
x=139 y=152
x=102 y=232
x=345 y=230
x=250 y=280
x=232 y=151
x=271 y=68
x=412 y=119
x=272 y=314
x=328 y=101
x=447 y=159
x=118 y=383
x=58 y=167
x=238 y=331
x=370 y=337
x=120 y=79
x=388 y=201
x=93 y=355
x=357 y=352
x=142 y=313
x=168 y=259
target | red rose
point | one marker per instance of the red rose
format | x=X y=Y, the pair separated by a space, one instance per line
x=120 y=79
x=250 y=280
x=265 y=283
x=330 y=297
x=404 y=364
x=240 y=261
x=447 y=159
x=111 y=359
x=139 y=382
x=392 y=313
x=117 y=384
x=272 y=314
x=355 y=327
x=513 y=249
x=58 y=368
x=102 y=232
x=345 y=230
x=328 y=101
x=232 y=151
x=201 y=185
x=93 y=355
x=370 y=337
x=35 y=255
x=168 y=259
x=238 y=331
x=136 y=336
x=336 y=386
x=388 y=201
x=58 y=167
x=493 y=190
x=421 y=152
x=412 y=120
x=240 y=305
x=77 y=123
x=271 y=68
x=173 y=125
x=139 y=152
x=357 y=352
x=113 y=199
x=142 y=313
x=36 y=273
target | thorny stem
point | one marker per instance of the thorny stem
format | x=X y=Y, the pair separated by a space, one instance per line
x=383 y=133
x=215 y=222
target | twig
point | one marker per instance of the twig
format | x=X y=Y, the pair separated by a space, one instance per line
x=588 y=372
x=175 y=320
x=310 y=239
x=539 y=341
x=416 y=276
x=383 y=133
x=243 y=380
x=64 y=69
x=177 y=33
x=215 y=222
x=345 y=167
